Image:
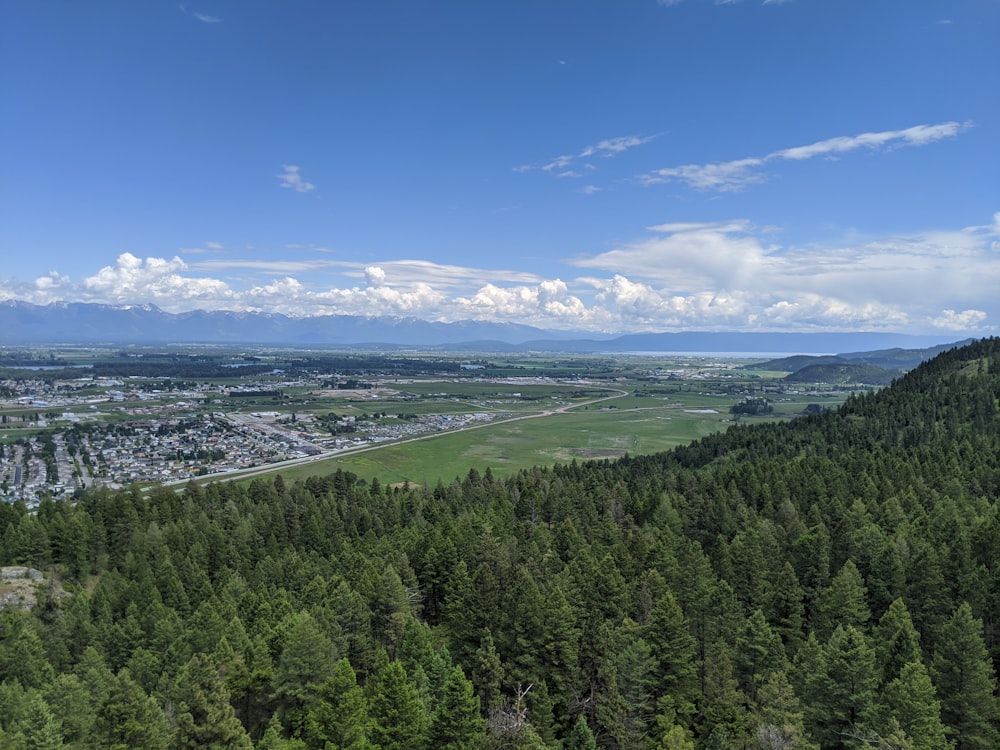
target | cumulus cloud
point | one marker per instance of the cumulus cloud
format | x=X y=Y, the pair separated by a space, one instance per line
x=687 y=256
x=375 y=276
x=707 y=273
x=739 y=173
x=291 y=179
x=679 y=275
x=548 y=303
x=967 y=320
x=155 y=280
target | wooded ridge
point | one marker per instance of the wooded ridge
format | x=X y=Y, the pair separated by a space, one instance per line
x=829 y=582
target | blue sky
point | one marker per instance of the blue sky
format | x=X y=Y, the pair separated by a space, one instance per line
x=575 y=164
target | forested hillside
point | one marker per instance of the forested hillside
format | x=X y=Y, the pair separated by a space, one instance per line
x=832 y=582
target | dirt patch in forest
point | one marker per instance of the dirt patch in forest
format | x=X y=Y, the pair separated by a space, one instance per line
x=19 y=587
x=598 y=452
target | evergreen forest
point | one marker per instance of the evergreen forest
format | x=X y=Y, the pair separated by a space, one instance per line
x=830 y=582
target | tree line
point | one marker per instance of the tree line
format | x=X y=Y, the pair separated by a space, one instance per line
x=832 y=582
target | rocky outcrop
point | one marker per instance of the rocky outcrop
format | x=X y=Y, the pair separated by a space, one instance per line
x=17 y=586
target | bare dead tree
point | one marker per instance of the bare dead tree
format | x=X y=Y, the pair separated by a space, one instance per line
x=508 y=719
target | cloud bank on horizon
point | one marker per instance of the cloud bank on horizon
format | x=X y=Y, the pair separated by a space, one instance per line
x=413 y=161
x=680 y=276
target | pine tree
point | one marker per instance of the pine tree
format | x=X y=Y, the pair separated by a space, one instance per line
x=69 y=700
x=390 y=608
x=673 y=649
x=633 y=666
x=307 y=658
x=842 y=693
x=456 y=723
x=911 y=700
x=40 y=729
x=843 y=602
x=725 y=722
x=897 y=642
x=339 y=714
x=966 y=683
x=779 y=721
x=129 y=718
x=487 y=673
x=273 y=738
x=205 y=719
x=22 y=655
x=580 y=737
x=674 y=737
x=784 y=608
x=399 y=719
x=758 y=652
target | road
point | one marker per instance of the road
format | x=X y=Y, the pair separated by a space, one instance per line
x=331 y=454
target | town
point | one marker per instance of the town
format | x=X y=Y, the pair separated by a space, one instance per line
x=67 y=426
x=166 y=435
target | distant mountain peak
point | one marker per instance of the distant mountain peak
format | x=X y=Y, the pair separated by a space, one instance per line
x=24 y=323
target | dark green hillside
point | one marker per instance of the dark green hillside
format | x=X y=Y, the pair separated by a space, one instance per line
x=831 y=582
x=889 y=359
x=901 y=359
x=795 y=363
x=843 y=374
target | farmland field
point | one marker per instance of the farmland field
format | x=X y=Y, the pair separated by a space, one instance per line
x=155 y=416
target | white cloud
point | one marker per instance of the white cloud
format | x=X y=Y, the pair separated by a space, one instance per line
x=277 y=291
x=155 y=280
x=291 y=178
x=918 y=135
x=606 y=148
x=805 y=310
x=724 y=176
x=740 y=173
x=51 y=287
x=548 y=303
x=687 y=256
x=53 y=280
x=452 y=278
x=703 y=272
x=681 y=275
x=614 y=146
x=268 y=266
x=200 y=16
x=967 y=320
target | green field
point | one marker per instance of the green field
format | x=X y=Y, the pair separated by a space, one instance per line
x=506 y=448
x=548 y=409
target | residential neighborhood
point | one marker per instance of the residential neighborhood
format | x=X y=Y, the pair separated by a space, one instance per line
x=166 y=435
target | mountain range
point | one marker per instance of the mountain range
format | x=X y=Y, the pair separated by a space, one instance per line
x=23 y=323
